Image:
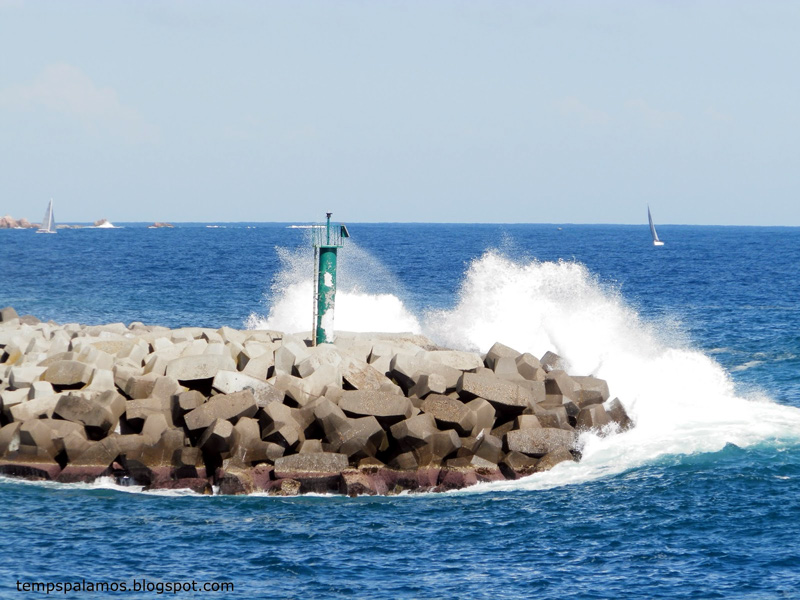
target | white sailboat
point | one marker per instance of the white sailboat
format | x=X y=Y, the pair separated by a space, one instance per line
x=656 y=241
x=48 y=224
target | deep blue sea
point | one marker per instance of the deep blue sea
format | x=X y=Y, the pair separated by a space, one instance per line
x=699 y=338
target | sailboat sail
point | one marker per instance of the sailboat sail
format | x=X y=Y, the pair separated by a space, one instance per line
x=656 y=241
x=48 y=226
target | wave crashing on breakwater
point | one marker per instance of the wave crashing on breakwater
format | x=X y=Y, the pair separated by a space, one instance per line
x=682 y=400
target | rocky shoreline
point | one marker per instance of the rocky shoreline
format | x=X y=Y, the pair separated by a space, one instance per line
x=236 y=412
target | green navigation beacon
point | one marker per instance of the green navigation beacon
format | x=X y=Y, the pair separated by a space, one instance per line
x=327 y=239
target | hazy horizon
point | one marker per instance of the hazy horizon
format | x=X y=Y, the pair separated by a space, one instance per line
x=443 y=112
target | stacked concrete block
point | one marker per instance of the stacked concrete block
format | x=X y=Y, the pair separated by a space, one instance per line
x=261 y=411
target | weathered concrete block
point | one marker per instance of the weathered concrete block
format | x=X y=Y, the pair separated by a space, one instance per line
x=428 y=384
x=592 y=416
x=388 y=409
x=507 y=398
x=362 y=438
x=439 y=446
x=229 y=407
x=551 y=459
x=617 y=413
x=551 y=361
x=227 y=334
x=359 y=375
x=361 y=483
x=497 y=351
x=407 y=369
x=280 y=426
x=102 y=380
x=324 y=354
x=538 y=442
x=331 y=420
x=154 y=427
x=137 y=411
x=529 y=367
x=505 y=368
x=450 y=414
x=229 y=382
x=8 y=314
x=500 y=430
x=204 y=366
x=24 y=377
x=96 y=417
x=591 y=390
x=217 y=438
x=310 y=447
x=68 y=374
x=319 y=472
x=185 y=402
x=40 y=389
x=484 y=415
x=414 y=432
x=489 y=448
x=34 y=409
x=557 y=382
x=463 y=361
x=553 y=416
x=516 y=465
x=248 y=447
x=9 y=398
x=527 y=421
x=261 y=366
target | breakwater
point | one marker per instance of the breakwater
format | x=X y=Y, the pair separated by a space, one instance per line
x=233 y=411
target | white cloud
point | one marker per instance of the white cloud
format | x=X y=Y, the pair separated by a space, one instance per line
x=65 y=89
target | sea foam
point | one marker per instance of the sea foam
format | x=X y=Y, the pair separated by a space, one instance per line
x=682 y=401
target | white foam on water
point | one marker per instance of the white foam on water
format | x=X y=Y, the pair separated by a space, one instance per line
x=367 y=298
x=683 y=401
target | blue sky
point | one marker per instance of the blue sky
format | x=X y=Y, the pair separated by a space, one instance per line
x=554 y=112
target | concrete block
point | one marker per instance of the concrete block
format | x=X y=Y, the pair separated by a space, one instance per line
x=362 y=438
x=96 y=417
x=359 y=375
x=34 y=409
x=387 y=408
x=40 y=389
x=537 y=442
x=225 y=406
x=24 y=377
x=68 y=374
x=558 y=382
x=205 y=366
x=497 y=351
x=591 y=390
x=484 y=415
x=228 y=382
x=8 y=314
x=617 y=413
x=463 y=361
x=507 y=398
x=450 y=414
x=551 y=459
x=217 y=437
x=592 y=416
x=551 y=361
x=414 y=432
x=428 y=384
x=529 y=367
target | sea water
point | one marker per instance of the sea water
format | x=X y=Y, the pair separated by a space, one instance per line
x=698 y=338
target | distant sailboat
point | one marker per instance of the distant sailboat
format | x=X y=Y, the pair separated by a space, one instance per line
x=656 y=241
x=48 y=224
